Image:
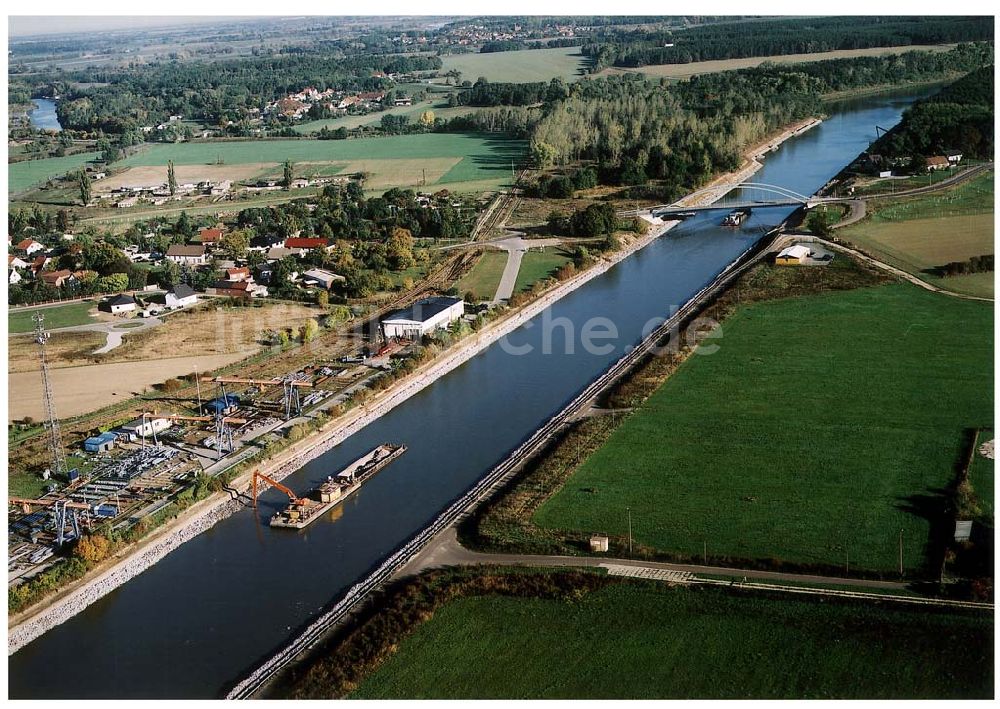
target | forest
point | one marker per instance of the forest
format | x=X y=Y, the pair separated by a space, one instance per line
x=959 y=117
x=763 y=38
x=636 y=130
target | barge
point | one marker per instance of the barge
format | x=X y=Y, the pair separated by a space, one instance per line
x=737 y=216
x=303 y=511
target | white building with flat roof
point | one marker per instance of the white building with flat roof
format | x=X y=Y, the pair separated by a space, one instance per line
x=423 y=317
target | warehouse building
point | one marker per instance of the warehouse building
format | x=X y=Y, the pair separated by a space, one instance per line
x=423 y=317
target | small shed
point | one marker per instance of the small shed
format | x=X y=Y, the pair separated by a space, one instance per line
x=599 y=542
x=792 y=255
x=100 y=444
x=963 y=530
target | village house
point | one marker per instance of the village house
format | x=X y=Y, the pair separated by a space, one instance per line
x=307 y=242
x=39 y=264
x=238 y=274
x=189 y=255
x=938 y=162
x=209 y=235
x=237 y=289
x=16 y=262
x=30 y=246
x=14 y=277
x=58 y=279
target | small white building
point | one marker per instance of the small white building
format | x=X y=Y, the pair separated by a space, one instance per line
x=145 y=427
x=180 y=296
x=14 y=277
x=792 y=255
x=119 y=304
x=423 y=317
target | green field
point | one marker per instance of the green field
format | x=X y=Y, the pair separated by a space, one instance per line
x=981 y=476
x=458 y=158
x=482 y=280
x=537 y=265
x=821 y=428
x=923 y=233
x=56 y=316
x=25 y=174
x=637 y=641
x=521 y=66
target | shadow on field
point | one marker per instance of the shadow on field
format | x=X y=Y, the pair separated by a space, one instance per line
x=932 y=507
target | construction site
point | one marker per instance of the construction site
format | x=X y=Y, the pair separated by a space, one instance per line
x=114 y=480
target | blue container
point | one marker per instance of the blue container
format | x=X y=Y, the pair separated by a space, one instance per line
x=73 y=474
x=105 y=511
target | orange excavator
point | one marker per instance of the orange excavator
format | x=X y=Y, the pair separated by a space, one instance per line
x=295 y=499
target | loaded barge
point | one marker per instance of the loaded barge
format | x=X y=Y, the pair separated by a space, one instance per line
x=303 y=511
x=737 y=216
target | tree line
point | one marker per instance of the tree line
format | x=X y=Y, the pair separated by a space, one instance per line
x=959 y=117
x=780 y=36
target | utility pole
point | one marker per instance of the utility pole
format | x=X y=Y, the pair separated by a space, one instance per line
x=629 y=511
x=56 y=455
x=704 y=552
x=901 y=552
x=197 y=381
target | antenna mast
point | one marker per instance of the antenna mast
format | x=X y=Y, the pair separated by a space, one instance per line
x=55 y=435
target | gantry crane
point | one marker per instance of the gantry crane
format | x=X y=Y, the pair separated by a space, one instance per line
x=222 y=430
x=63 y=512
x=290 y=389
x=295 y=499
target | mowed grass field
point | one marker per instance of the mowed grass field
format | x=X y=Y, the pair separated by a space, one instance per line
x=684 y=71
x=920 y=234
x=28 y=173
x=821 y=428
x=57 y=316
x=639 y=641
x=482 y=280
x=446 y=159
x=521 y=66
x=536 y=265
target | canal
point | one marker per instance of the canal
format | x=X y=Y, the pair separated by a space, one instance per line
x=212 y=610
x=44 y=116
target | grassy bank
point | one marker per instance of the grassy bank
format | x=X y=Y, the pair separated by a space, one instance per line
x=561 y=635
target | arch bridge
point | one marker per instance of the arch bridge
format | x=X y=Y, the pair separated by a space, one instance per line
x=743 y=194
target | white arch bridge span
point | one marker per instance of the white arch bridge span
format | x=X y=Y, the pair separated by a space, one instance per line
x=743 y=194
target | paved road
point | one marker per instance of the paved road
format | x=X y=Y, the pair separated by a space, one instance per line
x=856 y=213
x=516 y=247
x=445 y=550
x=113 y=330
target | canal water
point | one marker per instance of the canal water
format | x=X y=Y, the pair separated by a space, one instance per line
x=212 y=610
x=44 y=117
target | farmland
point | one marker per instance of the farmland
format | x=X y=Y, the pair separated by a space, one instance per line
x=684 y=71
x=523 y=65
x=450 y=160
x=634 y=640
x=25 y=174
x=821 y=432
x=441 y=110
x=923 y=233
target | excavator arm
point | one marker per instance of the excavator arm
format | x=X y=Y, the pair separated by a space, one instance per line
x=257 y=475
